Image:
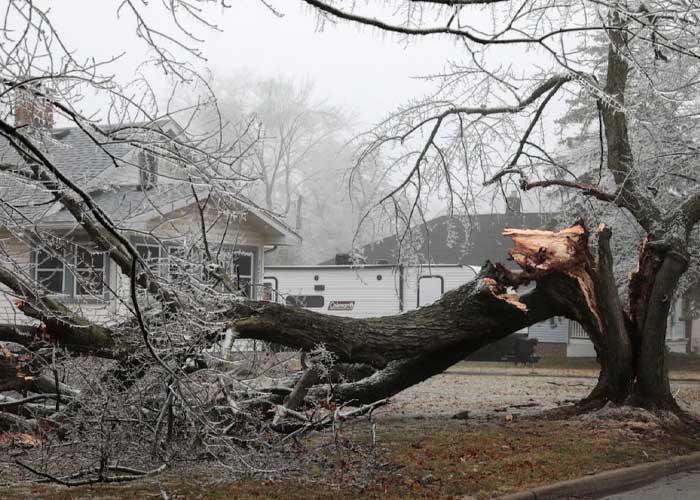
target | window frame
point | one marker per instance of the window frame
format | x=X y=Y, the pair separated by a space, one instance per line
x=71 y=272
x=229 y=267
x=154 y=268
x=104 y=283
x=295 y=303
x=37 y=269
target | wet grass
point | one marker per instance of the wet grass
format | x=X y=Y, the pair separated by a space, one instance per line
x=420 y=458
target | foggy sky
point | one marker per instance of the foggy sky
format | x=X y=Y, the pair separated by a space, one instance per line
x=360 y=70
x=363 y=71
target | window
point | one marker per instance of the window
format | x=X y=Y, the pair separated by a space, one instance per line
x=314 y=301
x=74 y=271
x=239 y=265
x=150 y=255
x=50 y=271
x=89 y=272
x=148 y=170
x=430 y=288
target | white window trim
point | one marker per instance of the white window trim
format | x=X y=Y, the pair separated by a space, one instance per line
x=76 y=284
x=38 y=268
x=157 y=268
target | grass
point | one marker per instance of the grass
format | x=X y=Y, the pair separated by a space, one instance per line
x=424 y=458
x=681 y=366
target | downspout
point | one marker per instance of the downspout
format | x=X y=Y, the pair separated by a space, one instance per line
x=401 y=278
x=688 y=323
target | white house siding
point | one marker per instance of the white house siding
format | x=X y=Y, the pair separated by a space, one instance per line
x=101 y=311
x=695 y=336
x=244 y=233
x=248 y=235
x=15 y=254
x=552 y=331
x=580 y=348
x=676 y=340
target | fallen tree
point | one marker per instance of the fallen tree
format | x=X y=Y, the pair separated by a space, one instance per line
x=570 y=282
x=154 y=377
x=406 y=349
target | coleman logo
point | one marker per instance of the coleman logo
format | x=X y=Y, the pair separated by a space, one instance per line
x=341 y=305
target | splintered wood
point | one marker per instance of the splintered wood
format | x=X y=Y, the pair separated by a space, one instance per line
x=541 y=253
x=537 y=251
x=500 y=292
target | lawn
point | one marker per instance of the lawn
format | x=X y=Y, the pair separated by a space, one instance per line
x=424 y=458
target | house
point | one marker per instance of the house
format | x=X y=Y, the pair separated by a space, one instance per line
x=146 y=197
x=447 y=241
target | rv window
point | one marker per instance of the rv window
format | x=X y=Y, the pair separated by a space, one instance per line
x=305 y=300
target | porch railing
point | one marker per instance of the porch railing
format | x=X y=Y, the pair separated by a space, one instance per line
x=576 y=331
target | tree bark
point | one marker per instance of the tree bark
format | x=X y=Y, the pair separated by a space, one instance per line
x=652 y=387
x=474 y=314
x=611 y=337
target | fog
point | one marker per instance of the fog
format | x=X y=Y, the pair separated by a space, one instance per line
x=360 y=70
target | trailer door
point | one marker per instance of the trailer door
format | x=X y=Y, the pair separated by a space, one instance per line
x=430 y=288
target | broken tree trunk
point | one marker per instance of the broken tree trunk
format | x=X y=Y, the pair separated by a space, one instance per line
x=629 y=343
x=652 y=290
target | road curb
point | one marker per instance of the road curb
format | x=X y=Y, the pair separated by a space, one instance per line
x=610 y=482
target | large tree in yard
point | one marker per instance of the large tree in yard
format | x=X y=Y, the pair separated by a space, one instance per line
x=489 y=123
x=150 y=366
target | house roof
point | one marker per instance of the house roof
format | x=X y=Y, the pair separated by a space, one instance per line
x=454 y=240
x=72 y=151
x=86 y=164
x=127 y=203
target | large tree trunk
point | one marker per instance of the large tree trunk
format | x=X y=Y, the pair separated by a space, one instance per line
x=651 y=294
x=407 y=348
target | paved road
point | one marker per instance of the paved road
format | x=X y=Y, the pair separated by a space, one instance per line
x=683 y=486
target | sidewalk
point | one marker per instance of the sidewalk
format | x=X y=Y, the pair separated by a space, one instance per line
x=683 y=486
x=667 y=479
x=578 y=370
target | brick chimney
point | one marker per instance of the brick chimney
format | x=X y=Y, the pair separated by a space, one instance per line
x=31 y=108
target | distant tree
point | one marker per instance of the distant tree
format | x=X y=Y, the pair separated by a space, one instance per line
x=301 y=164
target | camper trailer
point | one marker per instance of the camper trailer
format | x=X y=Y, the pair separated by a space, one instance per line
x=363 y=291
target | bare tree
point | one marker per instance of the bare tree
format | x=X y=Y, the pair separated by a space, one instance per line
x=483 y=121
x=294 y=126
x=141 y=364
